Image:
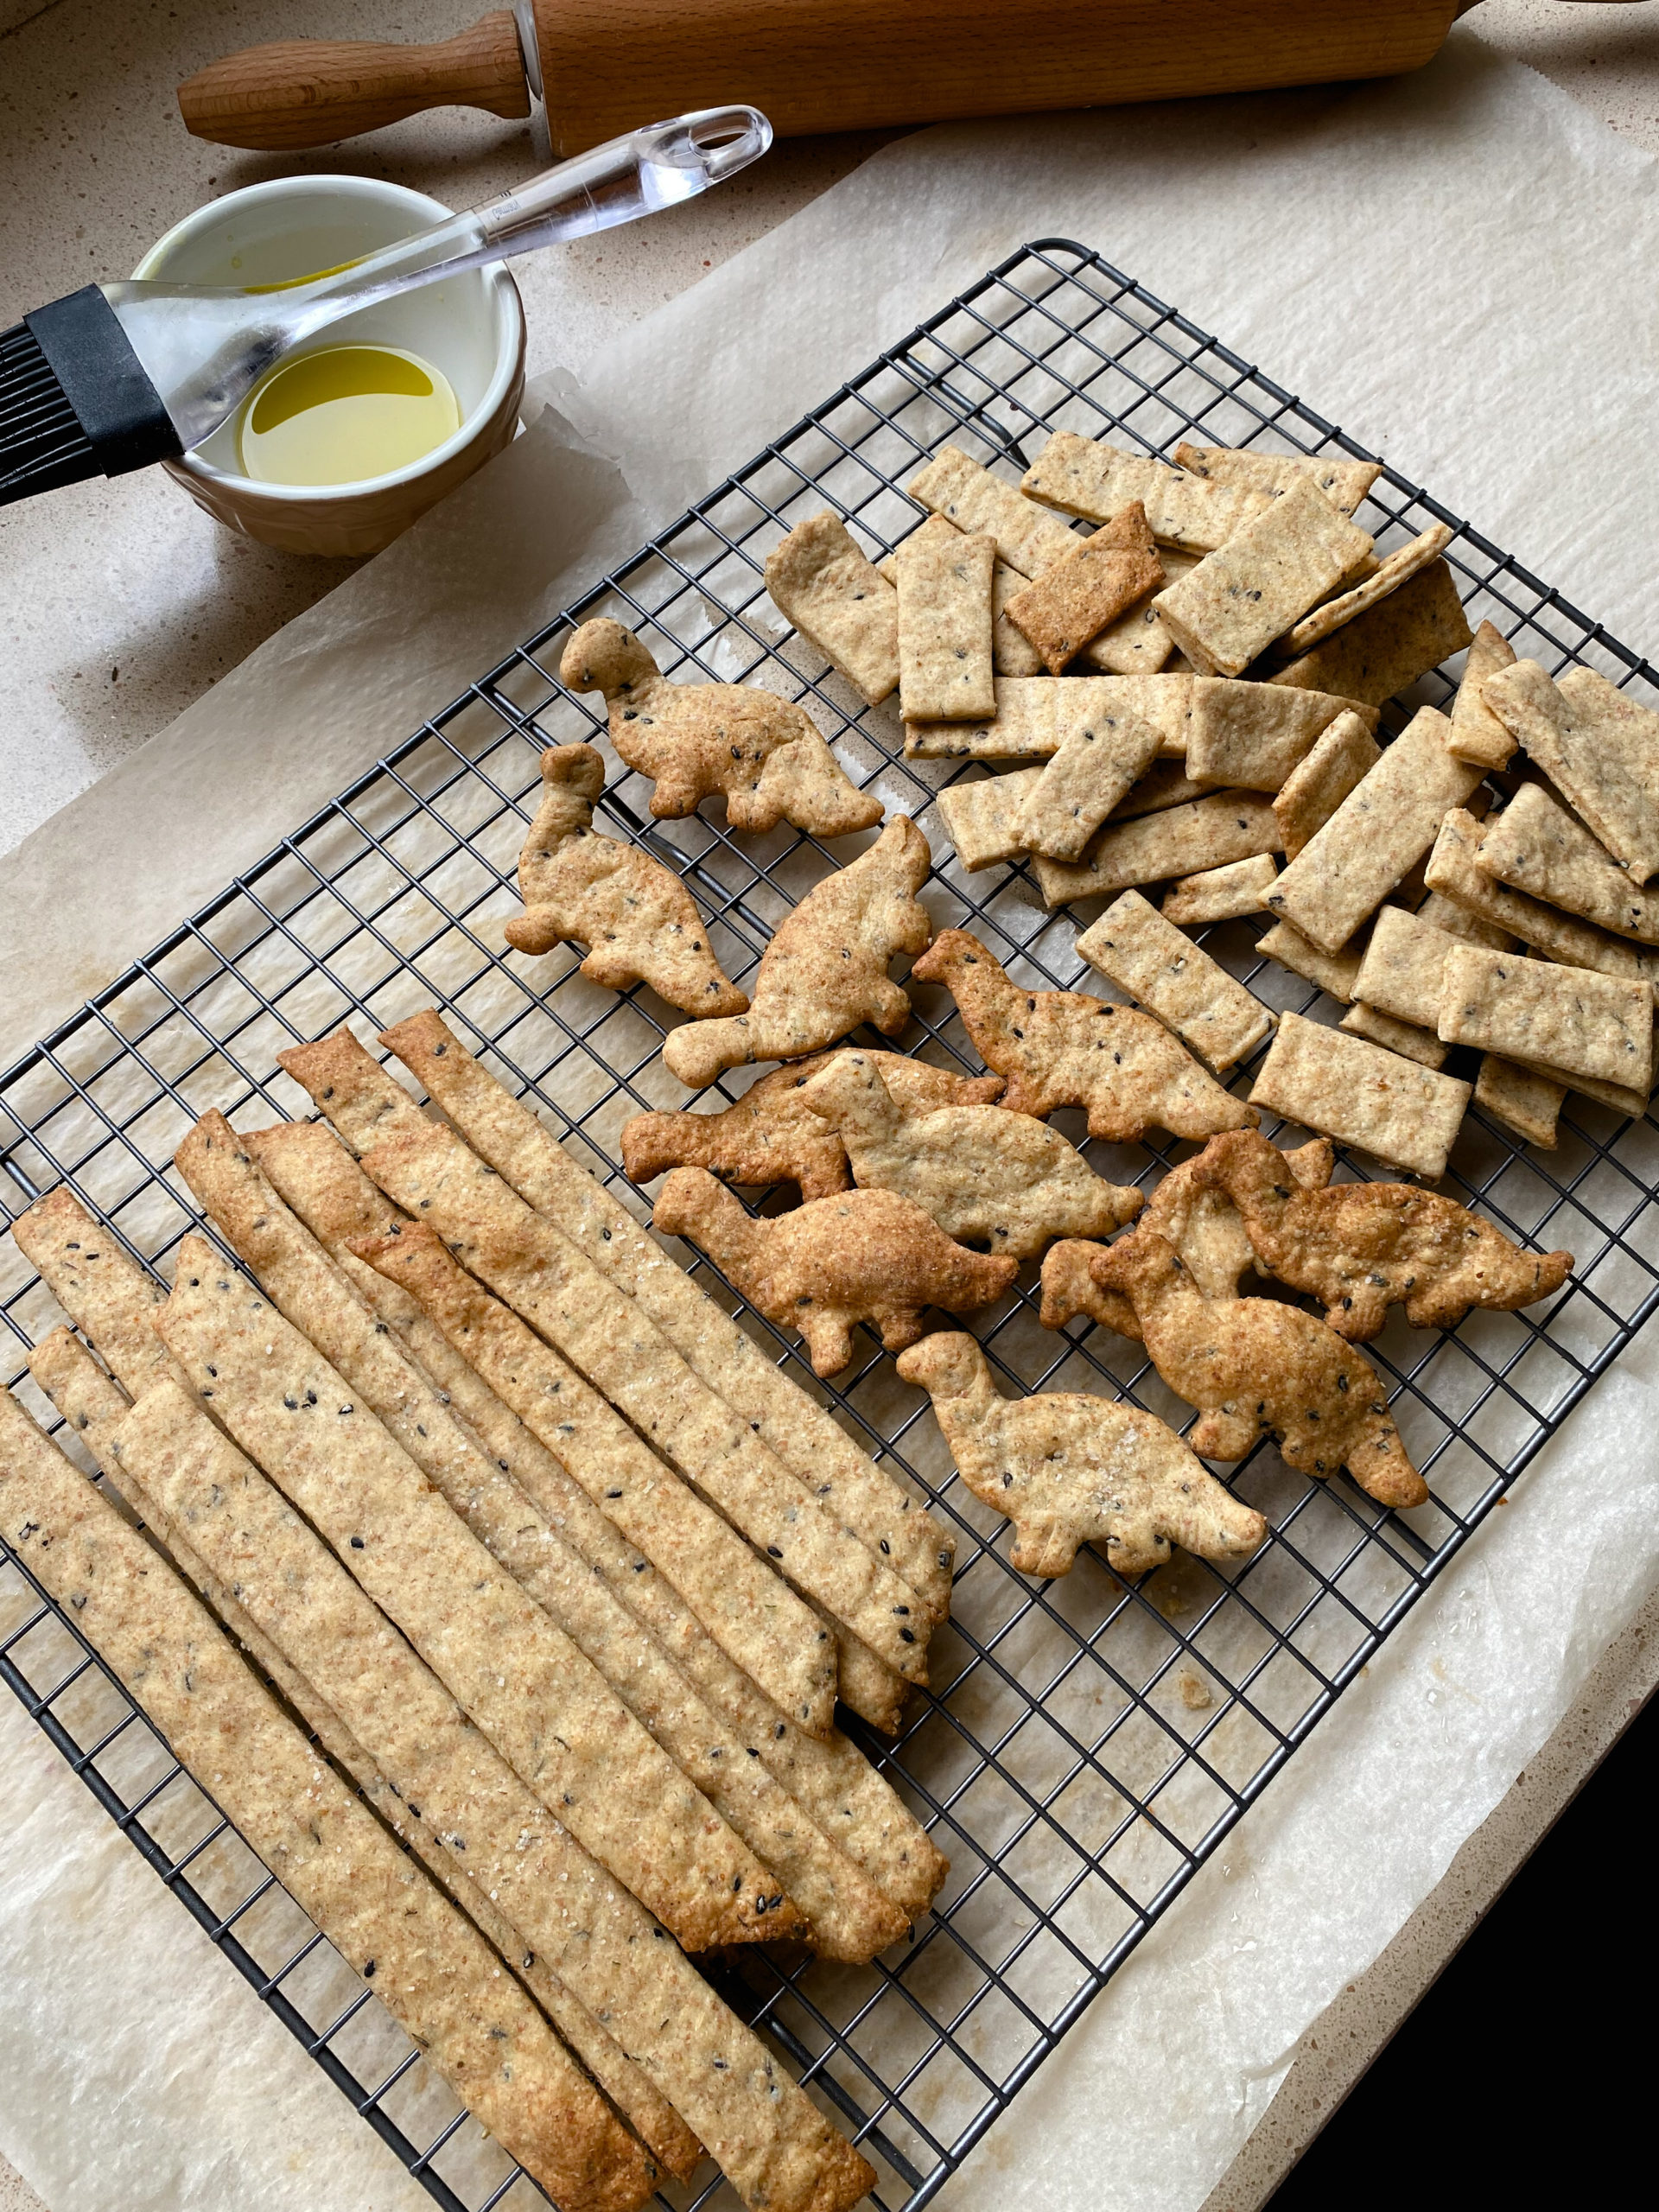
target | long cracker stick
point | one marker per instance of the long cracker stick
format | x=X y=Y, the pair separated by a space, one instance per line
x=1344 y=483
x=522 y=1681
x=1387 y=649
x=94 y=1406
x=1397 y=569
x=1255 y=736
x=845 y=1796
x=945 y=629
x=1384 y=825
x=957 y=488
x=1597 y=745
x=1568 y=1019
x=1453 y=872
x=430 y=1967
x=1095 y=480
x=1252 y=589
x=107 y=1294
x=1534 y=845
x=849 y=1919
x=549 y=1885
x=505 y=1134
x=1206 y=833
x=1136 y=948
x=1344 y=756
x=1098 y=762
x=1363 y=1096
x=818 y=576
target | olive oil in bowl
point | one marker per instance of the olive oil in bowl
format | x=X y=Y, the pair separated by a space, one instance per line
x=344 y=416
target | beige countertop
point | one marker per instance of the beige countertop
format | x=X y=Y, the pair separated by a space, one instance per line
x=124 y=603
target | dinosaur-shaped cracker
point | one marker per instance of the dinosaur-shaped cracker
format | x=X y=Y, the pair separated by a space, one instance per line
x=1255 y=1368
x=866 y=1255
x=579 y=884
x=1061 y=1048
x=771 y=1136
x=826 y=969
x=1203 y=1224
x=1361 y=1246
x=1069 y=1468
x=765 y=753
x=989 y=1178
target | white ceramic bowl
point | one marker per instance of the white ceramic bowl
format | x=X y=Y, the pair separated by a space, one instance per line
x=471 y=326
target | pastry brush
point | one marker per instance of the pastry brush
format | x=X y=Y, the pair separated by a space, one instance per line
x=117 y=376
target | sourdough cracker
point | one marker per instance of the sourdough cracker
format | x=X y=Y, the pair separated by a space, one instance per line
x=1342 y=757
x=1564 y=1018
x=1187 y=840
x=839 y=602
x=1220 y=894
x=1255 y=736
x=1136 y=948
x=1405 y=1038
x=957 y=488
x=1034 y=714
x=1380 y=830
x=1095 y=481
x=1535 y=846
x=1526 y=1103
x=1137 y=644
x=944 y=628
x=1404 y=966
x=1385 y=650
x=1451 y=872
x=1011 y=653
x=1395 y=569
x=1363 y=1096
x=1477 y=736
x=1098 y=762
x=431 y=1967
x=1457 y=921
x=1344 y=483
x=1597 y=745
x=1336 y=973
x=1247 y=593
x=1075 y=599
x=982 y=818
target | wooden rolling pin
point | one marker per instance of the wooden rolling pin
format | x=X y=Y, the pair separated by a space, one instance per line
x=605 y=66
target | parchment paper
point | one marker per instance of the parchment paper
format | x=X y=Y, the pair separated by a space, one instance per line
x=1436 y=264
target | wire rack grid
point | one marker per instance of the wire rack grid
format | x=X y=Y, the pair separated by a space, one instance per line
x=1086 y=1744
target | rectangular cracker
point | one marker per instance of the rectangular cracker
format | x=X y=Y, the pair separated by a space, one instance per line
x=823 y=1458
x=1011 y=653
x=945 y=629
x=1526 y=1103
x=1137 y=644
x=1394 y=569
x=1402 y=1037
x=1387 y=823
x=980 y=816
x=1457 y=921
x=1335 y=973
x=622 y=1682
x=1075 y=598
x=1095 y=480
x=1565 y=1018
x=1453 y=872
x=1100 y=760
x=1187 y=840
x=1250 y=591
x=1254 y=736
x=1534 y=845
x=1344 y=756
x=1219 y=894
x=1403 y=967
x=847 y=1799
x=1344 y=483
x=500 y=1658
x=1597 y=745
x=1385 y=650
x=1160 y=967
x=1477 y=736
x=431 y=1968
x=1035 y=713
x=1406 y=1115
x=839 y=602
x=1027 y=537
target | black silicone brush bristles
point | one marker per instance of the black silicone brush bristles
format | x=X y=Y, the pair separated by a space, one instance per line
x=42 y=442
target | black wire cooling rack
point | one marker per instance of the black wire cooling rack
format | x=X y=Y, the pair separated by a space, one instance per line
x=1086 y=1744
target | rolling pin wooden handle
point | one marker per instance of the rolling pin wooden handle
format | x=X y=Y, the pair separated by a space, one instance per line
x=302 y=93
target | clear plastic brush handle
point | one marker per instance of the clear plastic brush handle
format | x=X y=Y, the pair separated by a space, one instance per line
x=204 y=350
